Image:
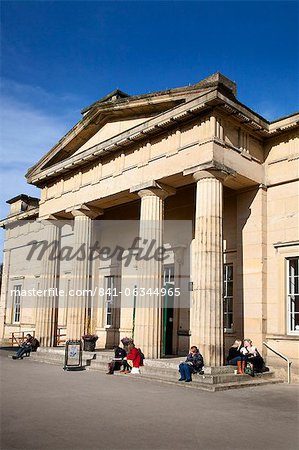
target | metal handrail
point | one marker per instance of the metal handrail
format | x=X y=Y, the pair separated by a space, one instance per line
x=283 y=357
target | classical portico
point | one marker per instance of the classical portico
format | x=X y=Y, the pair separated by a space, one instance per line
x=193 y=154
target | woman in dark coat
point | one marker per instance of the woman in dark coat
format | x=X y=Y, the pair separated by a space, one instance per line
x=118 y=360
x=235 y=357
x=252 y=356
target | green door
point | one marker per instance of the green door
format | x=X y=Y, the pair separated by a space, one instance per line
x=168 y=318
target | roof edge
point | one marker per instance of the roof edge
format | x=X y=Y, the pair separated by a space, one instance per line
x=23 y=197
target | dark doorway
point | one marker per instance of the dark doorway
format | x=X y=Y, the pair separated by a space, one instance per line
x=168 y=319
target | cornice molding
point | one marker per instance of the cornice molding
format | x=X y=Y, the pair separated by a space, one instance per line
x=160 y=123
x=30 y=214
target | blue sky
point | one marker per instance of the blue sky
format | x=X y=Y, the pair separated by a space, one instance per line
x=58 y=57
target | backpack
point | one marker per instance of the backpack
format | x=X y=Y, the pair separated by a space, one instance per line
x=34 y=344
x=142 y=357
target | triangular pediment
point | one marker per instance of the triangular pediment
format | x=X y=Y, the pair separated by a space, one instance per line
x=111 y=129
x=99 y=130
x=117 y=113
x=112 y=96
x=101 y=122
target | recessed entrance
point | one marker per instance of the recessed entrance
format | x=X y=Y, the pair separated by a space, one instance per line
x=168 y=309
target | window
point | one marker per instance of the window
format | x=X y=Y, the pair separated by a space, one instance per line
x=109 y=287
x=65 y=303
x=16 y=303
x=293 y=294
x=228 y=279
x=168 y=274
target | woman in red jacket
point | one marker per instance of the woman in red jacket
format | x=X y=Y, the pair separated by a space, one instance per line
x=134 y=358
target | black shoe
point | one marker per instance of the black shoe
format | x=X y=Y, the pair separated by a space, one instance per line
x=14 y=357
x=188 y=381
x=182 y=379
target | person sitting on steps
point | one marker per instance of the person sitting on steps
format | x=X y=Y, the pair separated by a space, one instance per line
x=194 y=364
x=29 y=345
x=253 y=357
x=236 y=358
x=118 y=360
x=134 y=358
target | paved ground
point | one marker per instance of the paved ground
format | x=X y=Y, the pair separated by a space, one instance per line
x=43 y=407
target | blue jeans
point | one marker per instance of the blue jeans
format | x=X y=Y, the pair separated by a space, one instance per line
x=185 y=371
x=233 y=362
x=22 y=351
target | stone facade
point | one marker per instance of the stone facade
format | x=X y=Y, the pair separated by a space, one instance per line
x=187 y=154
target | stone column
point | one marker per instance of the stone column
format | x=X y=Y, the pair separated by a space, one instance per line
x=77 y=313
x=128 y=282
x=206 y=313
x=147 y=331
x=47 y=305
x=79 y=304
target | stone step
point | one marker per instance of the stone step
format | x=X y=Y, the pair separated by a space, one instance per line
x=253 y=382
x=200 y=382
x=57 y=356
x=207 y=379
x=172 y=374
x=240 y=381
x=164 y=371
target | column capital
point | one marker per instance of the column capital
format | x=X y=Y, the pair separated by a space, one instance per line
x=155 y=189
x=179 y=251
x=152 y=192
x=50 y=218
x=84 y=210
x=214 y=174
x=51 y=221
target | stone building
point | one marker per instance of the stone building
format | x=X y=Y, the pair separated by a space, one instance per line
x=193 y=155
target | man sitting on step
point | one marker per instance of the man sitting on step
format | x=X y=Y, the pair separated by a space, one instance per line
x=193 y=364
x=29 y=345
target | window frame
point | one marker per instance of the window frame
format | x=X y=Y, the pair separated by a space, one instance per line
x=168 y=274
x=109 y=283
x=289 y=311
x=16 y=306
x=225 y=297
